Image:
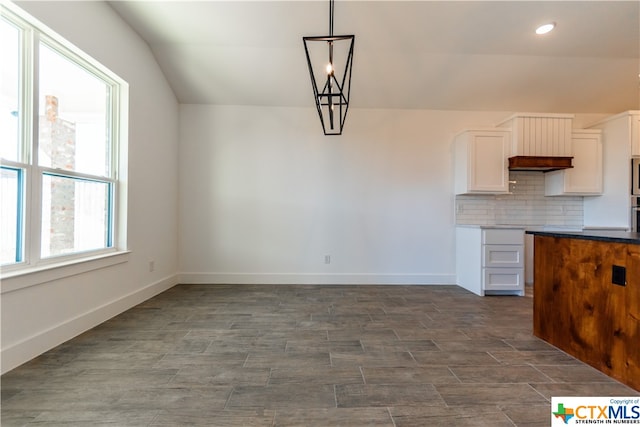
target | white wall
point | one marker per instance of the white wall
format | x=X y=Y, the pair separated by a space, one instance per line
x=37 y=318
x=265 y=196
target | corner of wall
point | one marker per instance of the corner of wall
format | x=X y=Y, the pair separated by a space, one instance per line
x=31 y=347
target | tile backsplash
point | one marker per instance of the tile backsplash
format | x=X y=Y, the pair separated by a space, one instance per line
x=526 y=205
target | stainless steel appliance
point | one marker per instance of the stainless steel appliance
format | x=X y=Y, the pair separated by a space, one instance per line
x=635 y=214
x=635 y=177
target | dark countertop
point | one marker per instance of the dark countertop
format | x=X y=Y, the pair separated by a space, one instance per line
x=603 y=236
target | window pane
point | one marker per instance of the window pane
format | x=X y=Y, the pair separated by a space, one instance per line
x=11 y=215
x=9 y=91
x=73 y=116
x=75 y=215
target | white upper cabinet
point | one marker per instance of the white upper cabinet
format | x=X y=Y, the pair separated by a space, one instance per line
x=635 y=133
x=585 y=178
x=481 y=159
x=540 y=134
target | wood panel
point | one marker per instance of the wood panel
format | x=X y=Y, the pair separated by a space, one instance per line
x=539 y=163
x=578 y=309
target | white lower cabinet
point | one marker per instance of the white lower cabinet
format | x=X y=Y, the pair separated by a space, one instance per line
x=490 y=260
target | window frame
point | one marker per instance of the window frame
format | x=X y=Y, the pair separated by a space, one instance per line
x=20 y=206
x=33 y=34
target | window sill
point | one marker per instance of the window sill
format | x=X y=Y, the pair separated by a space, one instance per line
x=24 y=278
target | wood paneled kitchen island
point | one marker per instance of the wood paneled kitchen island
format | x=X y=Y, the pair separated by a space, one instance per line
x=587 y=298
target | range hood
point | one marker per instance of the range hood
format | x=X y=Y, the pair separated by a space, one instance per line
x=539 y=163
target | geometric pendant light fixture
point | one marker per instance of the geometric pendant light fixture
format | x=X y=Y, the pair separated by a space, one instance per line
x=330 y=60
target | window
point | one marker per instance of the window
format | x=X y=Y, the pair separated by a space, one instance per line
x=59 y=143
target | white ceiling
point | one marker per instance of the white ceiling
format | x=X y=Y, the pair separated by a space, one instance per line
x=450 y=55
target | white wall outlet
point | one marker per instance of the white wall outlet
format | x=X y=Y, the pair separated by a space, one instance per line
x=327 y=259
x=152 y=265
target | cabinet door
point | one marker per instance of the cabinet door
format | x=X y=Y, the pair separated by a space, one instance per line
x=585 y=178
x=635 y=135
x=488 y=154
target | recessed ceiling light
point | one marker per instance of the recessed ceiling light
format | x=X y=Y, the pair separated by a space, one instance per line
x=544 y=29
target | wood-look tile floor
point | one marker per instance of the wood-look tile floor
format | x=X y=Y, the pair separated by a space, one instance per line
x=249 y=355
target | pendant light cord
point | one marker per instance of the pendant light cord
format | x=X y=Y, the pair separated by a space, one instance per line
x=331 y=9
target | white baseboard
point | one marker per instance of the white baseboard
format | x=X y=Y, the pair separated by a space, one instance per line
x=318 y=279
x=31 y=347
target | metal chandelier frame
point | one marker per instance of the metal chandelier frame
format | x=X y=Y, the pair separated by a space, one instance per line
x=332 y=102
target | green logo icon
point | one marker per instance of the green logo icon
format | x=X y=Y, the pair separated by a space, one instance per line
x=564 y=413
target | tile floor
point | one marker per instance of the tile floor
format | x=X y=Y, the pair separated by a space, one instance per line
x=248 y=355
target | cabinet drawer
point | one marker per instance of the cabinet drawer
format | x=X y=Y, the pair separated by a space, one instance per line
x=503 y=279
x=503 y=256
x=503 y=237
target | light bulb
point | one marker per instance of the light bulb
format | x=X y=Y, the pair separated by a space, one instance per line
x=544 y=29
x=329 y=68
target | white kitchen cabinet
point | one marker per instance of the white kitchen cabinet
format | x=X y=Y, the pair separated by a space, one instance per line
x=635 y=133
x=620 y=139
x=540 y=134
x=481 y=161
x=585 y=178
x=490 y=260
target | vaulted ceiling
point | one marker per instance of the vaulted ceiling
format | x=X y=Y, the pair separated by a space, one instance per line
x=450 y=55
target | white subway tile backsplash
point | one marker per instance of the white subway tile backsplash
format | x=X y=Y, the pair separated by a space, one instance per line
x=526 y=205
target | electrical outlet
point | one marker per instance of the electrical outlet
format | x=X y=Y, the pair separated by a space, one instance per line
x=327 y=259
x=619 y=275
x=152 y=265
